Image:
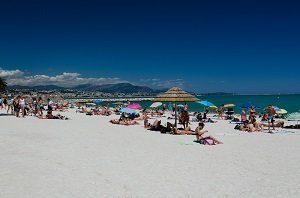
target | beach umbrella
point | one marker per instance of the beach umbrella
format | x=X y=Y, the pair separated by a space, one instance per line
x=128 y=110
x=294 y=116
x=281 y=111
x=156 y=104
x=248 y=105
x=175 y=95
x=213 y=107
x=205 y=103
x=90 y=104
x=180 y=105
x=97 y=101
x=134 y=106
x=274 y=107
x=229 y=105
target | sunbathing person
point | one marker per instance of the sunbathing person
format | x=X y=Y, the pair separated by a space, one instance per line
x=254 y=125
x=155 y=126
x=279 y=124
x=51 y=116
x=124 y=121
x=187 y=131
x=210 y=140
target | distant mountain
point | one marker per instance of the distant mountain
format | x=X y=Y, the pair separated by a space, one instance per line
x=38 y=87
x=126 y=88
x=115 y=88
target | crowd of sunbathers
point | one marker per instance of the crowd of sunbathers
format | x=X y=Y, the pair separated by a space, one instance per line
x=171 y=129
x=252 y=125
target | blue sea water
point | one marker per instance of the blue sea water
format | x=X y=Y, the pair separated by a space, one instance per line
x=291 y=103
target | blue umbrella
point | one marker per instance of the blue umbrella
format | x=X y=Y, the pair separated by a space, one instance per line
x=205 y=103
x=248 y=105
x=97 y=101
x=128 y=110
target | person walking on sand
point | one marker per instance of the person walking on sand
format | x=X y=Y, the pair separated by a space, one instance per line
x=220 y=111
x=22 y=105
x=271 y=112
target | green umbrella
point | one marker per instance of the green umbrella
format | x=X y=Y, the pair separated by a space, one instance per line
x=281 y=111
x=294 y=116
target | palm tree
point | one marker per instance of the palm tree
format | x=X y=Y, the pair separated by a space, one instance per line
x=3 y=84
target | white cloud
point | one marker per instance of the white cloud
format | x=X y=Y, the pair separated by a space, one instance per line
x=10 y=73
x=17 y=77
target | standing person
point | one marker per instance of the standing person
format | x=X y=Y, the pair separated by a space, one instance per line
x=5 y=102
x=243 y=116
x=220 y=111
x=16 y=105
x=10 y=106
x=1 y=103
x=205 y=114
x=186 y=107
x=35 y=106
x=22 y=105
x=50 y=104
x=40 y=106
x=271 y=112
x=164 y=107
x=252 y=113
x=145 y=118
x=174 y=108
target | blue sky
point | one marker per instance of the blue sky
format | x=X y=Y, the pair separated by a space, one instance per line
x=202 y=46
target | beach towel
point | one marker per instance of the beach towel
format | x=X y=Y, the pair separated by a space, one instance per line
x=187 y=143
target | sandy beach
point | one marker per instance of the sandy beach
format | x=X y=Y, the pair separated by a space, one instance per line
x=87 y=156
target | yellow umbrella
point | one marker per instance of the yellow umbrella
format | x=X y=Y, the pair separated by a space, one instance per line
x=214 y=107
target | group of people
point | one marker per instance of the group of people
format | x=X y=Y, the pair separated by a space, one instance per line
x=250 y=124
x=199 y=132
x=21 y=107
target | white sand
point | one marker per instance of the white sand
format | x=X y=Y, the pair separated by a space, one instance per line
x=89 y=157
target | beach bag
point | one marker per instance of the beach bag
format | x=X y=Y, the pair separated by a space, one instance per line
x=207 y=141
x=237 y=127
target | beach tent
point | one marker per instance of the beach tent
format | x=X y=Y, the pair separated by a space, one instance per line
x=175 y=95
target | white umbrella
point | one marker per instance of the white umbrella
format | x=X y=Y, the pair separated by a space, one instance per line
x=156 y=104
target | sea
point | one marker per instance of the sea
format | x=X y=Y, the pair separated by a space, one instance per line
x=291 y=103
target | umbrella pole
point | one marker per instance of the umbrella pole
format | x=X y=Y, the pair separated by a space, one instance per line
x=175 y=114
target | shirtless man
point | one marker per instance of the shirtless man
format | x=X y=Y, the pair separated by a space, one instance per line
x=200 y=131
x=270 y=111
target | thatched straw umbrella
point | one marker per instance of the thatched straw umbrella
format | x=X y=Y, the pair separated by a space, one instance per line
x=175 y=95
